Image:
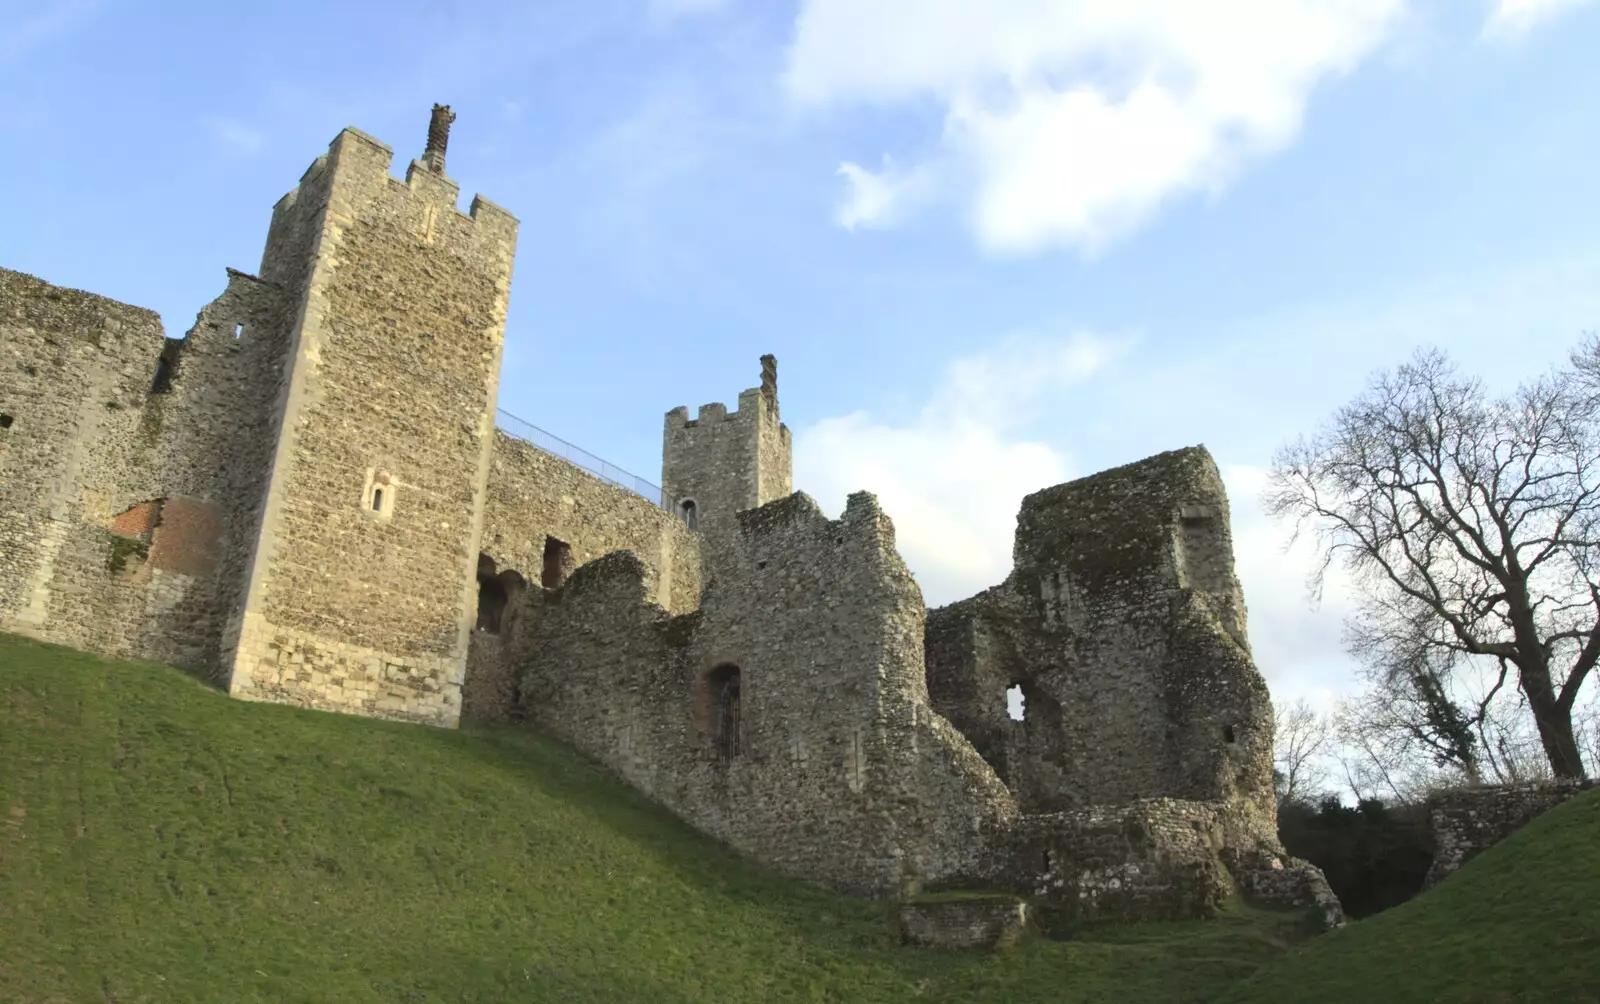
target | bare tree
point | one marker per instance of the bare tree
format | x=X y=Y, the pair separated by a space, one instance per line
x=1378 y=753
x=1300 y=741
x=1473 y=525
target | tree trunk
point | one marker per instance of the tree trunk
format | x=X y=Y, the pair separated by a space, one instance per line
x=1555 y=724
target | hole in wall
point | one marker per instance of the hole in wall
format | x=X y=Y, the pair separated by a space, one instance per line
x=5 y=421
x=690 y=513
x=557 y=562
x=1228 y=734
x=238 y=331
x=1016 y=705
x=495 y=592
x=377 y=500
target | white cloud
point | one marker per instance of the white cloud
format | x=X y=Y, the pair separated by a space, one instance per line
x=1070 y=123
x=1513 y=19
x=882 y=198
x=1296 y=641
x=953 y=478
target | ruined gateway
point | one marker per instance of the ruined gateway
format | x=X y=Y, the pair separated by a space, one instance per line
x=308 y=496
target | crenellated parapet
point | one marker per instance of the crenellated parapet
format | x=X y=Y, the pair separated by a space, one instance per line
x=720 y=462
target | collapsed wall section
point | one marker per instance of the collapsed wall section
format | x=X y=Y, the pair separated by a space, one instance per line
x=543 y=518
x=131 y=465
x=1123 y=625
x=362 y=586
x=788 y=716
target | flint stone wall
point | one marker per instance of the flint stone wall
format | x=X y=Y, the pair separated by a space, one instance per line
x=131 y=468
x=727 y=462
x=844 y=775
x=962 y=923
x=1124 y=625
x=535 y=496
x=361 y=602
x=1468 y=821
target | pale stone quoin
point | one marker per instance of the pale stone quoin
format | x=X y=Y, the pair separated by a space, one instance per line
x=307 y=495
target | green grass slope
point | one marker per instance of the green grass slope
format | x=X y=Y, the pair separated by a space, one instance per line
x=1520 y=922
x=161 y=842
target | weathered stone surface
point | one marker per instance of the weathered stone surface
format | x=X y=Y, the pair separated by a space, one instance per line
x=722 y=462
x=1468 y=821
x=987 y=922
x=307 y=494
x=97 y=455
x=841 y=772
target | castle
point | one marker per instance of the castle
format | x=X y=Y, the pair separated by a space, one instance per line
x=307 y=496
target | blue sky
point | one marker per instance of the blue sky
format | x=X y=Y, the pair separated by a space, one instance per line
x=994 y=245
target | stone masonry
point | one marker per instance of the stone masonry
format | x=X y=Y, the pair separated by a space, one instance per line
x=1468 y=821
x=307 y=496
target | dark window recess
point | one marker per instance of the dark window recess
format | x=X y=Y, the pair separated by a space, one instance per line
x=162 y=384
x=691 y=516
x=557 y=563
x=1227 y=734
x=377 y=500
x=5 y=421
x=723 y=684
x=492 y=597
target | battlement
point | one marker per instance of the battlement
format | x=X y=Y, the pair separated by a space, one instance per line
x=720 y=462
x=359 y=159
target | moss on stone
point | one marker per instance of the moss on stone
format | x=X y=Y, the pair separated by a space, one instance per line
x=121 y=548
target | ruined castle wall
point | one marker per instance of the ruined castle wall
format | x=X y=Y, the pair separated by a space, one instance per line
x=1151 y=859
x=136 y=460
x=1468 y=821
x=70 y=363
x=1124 y=624
x=842 y=774
x=535 y=500
x=362 y=588
x=534 y=495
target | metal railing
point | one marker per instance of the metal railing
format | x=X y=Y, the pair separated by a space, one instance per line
x=539 y=439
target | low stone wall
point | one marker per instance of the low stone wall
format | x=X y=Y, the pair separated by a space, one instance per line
x=1468 y=821
x=986 y=922
x=1155 y=859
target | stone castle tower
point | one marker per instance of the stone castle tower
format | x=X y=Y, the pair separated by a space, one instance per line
x=718 y=463
x=365 y=556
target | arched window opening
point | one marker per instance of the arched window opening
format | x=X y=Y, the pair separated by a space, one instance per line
x=1016 y=703
x=723 y=685
x=557 y=563
x=377 y=500
x=691 y=514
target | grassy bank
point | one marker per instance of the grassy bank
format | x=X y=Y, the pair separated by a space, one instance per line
x=161 y=842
